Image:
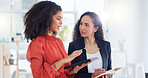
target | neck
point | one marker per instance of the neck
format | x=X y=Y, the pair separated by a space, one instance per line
x=49 y=33
x=89 y=41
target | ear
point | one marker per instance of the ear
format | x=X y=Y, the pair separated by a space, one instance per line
x=96 y=28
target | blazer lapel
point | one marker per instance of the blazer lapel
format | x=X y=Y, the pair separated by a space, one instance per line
x=100 y=45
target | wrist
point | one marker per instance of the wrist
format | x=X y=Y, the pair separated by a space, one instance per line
x=92 y=75
x=59 y=64
x=62 y=61
x=72 y=71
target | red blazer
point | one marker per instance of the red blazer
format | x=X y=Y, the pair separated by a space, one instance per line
x=42 y=53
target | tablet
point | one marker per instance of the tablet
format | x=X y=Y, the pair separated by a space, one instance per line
x=81 y=62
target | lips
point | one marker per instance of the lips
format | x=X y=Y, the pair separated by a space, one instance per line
x=82 y=32
x=59 y=27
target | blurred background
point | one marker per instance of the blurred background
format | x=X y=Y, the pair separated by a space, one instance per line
x=124 y=23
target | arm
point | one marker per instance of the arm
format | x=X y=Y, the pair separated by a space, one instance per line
x=59 y=63
x=68 y=58
x=38 y=65
x=71 y=48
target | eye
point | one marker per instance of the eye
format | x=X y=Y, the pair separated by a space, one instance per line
x=86 y=25
x=58 y=18
x=80 y=23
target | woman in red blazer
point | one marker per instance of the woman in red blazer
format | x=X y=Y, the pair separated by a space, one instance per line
x=46 y=52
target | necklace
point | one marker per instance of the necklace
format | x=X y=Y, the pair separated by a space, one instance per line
x=91 y=49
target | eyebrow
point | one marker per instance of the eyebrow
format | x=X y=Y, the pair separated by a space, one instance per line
x=84 y=23
x=60 y=16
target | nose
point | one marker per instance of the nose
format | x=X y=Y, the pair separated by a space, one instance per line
x=61 y=22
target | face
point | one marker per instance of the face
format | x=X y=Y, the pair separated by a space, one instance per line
x=86 y=27
x=56 y=22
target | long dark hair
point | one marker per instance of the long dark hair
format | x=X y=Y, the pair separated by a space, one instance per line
x=97 y=23
x=39 y=18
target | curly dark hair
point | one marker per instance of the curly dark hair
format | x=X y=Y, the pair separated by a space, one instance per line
x=97 y=23
x=39 y=18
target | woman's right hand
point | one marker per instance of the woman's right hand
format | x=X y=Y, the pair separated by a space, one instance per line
x=72 y=56
x=68 y=58
x=98 y=72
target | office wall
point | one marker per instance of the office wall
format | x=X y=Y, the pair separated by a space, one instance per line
x=4 y=4
x=143 y=27
x=128 y=20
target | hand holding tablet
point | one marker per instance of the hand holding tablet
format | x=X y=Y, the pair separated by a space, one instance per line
x=81 y=62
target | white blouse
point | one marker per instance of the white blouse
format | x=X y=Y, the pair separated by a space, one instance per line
x=94 y=64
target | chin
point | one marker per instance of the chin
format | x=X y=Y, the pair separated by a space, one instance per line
x=83 y=36
x=56 y=31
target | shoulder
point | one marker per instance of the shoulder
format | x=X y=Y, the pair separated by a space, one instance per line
x=106 y=42
x=77 y=44
x=103 y=42
x=36 y=46
x=76 y=41
x=73 y=42
x=39 y=41
x=59 y=40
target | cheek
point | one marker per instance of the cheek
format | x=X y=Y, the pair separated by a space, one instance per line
x=53 y=22
x=90 y=31
x=52 y=27
x=79 y=27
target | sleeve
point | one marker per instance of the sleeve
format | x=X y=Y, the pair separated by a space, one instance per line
x=71 y=48
x=71 y=76
x=38 y=66
x=109 y=59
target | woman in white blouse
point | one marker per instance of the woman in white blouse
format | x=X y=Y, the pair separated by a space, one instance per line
x=88 y=36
